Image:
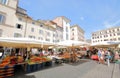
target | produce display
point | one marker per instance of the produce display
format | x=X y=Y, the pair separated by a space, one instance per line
x=65 y=55
x=37 y=59
x=11 y=61
x=20 y=59
x=5 y=62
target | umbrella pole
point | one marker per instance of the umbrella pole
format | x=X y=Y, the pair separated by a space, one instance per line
x=73 y=54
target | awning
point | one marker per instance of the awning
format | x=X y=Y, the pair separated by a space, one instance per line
x=23 y=42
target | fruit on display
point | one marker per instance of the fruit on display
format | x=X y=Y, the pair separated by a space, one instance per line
x=4 y=64
x=65 y=55
x=37 y=59
x=5 y=61
x=20 y=59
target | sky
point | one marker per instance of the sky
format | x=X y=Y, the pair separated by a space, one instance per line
x=90 y=15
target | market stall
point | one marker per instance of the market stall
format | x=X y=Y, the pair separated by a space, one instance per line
x=71 y=45
x=21 y=54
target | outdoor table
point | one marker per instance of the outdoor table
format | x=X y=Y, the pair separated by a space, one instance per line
x=58 y=60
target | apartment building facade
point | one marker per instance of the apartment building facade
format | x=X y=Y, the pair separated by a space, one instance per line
x=14 y=22
x=77 y=33
x=106 y=35
x=65 y=24
x=7 y=17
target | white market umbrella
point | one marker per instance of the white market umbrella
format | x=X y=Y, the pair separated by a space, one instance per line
x=106 y=44
x=70 y=43
x=22 y=42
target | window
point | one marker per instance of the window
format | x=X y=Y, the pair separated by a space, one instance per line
x=114 y=39
x=3 y=1
x=40 y=38
x=105 y=39
x=47 y=39
x=41 y=25
x=53 y=35
x=48 y=34
x=30 y=36
x=2 y=18
x=72 y=29
x=41 y=32
x=20 y=19
x=56 y=35
x=17 y=35
x=113 y=30
x=119 y=38
x=118 y=33
x=33 y=22
x=32 y=29
x=66 y=29
x=114 y=34
x=72 y=34
x=110 y=34
x=19 y=26
x=110 y=39
x=1 y=32
x=66 y=36
x=118 y=29
x=109 y=31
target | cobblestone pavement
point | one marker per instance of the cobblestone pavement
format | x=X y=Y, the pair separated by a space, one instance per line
x=116 y=72
x=83 y=69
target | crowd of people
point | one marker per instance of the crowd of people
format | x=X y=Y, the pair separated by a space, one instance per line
x=104 y=55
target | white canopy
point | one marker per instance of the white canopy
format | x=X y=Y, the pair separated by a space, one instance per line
x=106 y=44
x=70 y=43
x=23 y=42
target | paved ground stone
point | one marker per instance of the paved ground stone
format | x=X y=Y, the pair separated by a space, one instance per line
x=116 y=73
x=83 y=69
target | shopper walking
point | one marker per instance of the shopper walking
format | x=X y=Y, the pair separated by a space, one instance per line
x=99 y=56
x=108 y=58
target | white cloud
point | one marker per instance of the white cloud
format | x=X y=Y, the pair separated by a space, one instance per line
x=82 y=18
x=108 y=24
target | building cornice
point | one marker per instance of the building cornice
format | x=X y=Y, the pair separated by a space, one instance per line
x=78 y=27
x=106 y=29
